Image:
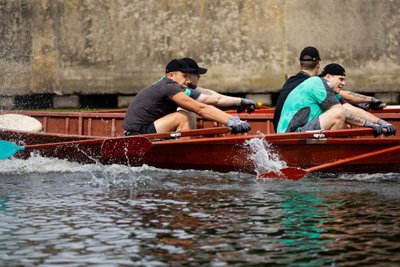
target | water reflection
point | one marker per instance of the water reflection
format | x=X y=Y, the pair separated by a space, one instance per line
x=149 y=217
x=366 y=228
x=303 y=223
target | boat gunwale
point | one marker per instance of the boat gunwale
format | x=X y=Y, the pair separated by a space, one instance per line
x=242 y=139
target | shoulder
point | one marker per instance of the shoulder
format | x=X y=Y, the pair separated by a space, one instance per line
x=299 y=76
x=295 y=80
x=167 y=84
x=315 y=81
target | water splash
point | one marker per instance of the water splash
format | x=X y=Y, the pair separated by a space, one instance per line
x=96 y=175
x=264 y=156
x=102 y=176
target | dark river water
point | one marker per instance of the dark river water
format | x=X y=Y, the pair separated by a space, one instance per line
x=57 y=213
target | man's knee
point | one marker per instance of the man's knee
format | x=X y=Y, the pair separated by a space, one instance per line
x=183 y=115
x=191 y=117
x=337 y=113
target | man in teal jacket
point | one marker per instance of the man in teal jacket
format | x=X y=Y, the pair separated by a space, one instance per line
x=315 y=105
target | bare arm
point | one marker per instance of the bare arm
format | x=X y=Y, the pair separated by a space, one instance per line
x=214 y=98
x=355 y=98
x=206 y=111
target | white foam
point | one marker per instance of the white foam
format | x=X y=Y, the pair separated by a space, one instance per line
x=264 y=156
x=94 y=174
x=98 y=175
x=371 y=177
x=38 y=164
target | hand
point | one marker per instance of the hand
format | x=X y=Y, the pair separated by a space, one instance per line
x=248 y=104
x=376 y=128
x=389 y=128
x=376 y=104
x=237 y=125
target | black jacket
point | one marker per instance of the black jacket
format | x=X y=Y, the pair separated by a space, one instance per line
x=288 y=87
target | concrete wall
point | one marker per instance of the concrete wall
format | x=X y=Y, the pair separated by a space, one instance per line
x=249 y=46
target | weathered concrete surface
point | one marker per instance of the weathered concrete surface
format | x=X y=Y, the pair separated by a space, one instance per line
x=15 y=47
x=121 y=46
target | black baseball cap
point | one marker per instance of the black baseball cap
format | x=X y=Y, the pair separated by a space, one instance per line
x=178 y=65
x=309 y=53
x=193 y=64
x=333 y=69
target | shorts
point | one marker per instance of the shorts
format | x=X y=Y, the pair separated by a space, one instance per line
x=145 y=129
x=311 y=126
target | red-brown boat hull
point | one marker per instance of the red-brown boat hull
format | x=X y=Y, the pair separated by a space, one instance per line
x=225 y=153
x=233 y=155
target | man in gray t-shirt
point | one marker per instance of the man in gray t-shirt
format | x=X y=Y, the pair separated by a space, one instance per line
x=154 y=109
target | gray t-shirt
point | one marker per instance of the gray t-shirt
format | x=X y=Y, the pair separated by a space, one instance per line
x=193 y=93
x=150 y=104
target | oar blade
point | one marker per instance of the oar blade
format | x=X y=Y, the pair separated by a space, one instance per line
x=8 y=149
x=294 y=174
x=125 y=150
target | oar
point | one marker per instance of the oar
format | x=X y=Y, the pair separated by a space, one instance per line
x=224 y=130
x=8 y=149
x=320 y=134
x=196 y=132
x=297 y=173
x=134 y=146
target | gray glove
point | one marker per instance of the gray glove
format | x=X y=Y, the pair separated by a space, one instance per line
x=376 y=128
x=375 y=104
x=237 y=125
x=248 y=104
x=390 y=129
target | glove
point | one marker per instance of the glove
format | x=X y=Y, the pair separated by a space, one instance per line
x=248 y=104
x=390 y=129
x=237 y=125
x=376 y=104
x=376 y=128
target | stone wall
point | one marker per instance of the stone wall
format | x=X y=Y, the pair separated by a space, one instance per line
x=249 y=46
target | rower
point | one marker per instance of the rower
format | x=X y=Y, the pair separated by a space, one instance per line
x=154 y=109
x=315 y=105
x=309 y=66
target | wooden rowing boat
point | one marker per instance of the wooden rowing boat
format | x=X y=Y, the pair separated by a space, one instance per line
x=90 y=137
